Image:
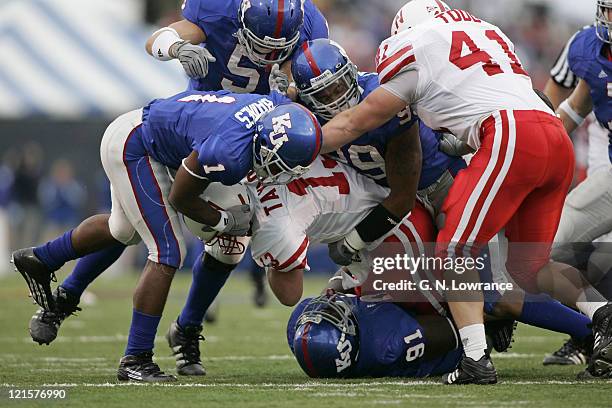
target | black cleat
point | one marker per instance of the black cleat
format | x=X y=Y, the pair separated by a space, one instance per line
x=572 y=352
x=600 y=365
x=500 y=334
x=141 y=368
x=37 y=276
x=469 y=371
x=44 y=324
x=185 y=345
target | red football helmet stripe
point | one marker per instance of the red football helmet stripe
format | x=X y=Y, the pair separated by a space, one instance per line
x=310 y=59
x=279 y=18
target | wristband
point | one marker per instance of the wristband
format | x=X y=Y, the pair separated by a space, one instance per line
x=222 y=224
x=161 y=45
x=377 y=224
x=565 y=107
x=354 y=241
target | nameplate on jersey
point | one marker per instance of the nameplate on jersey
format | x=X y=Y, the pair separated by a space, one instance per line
x=251 y=113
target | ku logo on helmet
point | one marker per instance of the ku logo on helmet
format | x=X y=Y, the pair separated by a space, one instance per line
x=344 y=348
x=280 y=124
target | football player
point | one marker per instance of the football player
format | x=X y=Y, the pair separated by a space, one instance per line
x=588 y=255
x=242 y=40
x=391 y=156
x=339 y=335
x=328 y=83
x=461 y=74
x=586 y=214
x=329 y=201
x=205 y=137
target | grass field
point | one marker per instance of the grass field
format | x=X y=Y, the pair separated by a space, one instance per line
x=248 y=361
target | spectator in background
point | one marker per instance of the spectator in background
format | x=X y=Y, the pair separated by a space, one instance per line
x=62 y=198
x=25 y=209
x=6 y=185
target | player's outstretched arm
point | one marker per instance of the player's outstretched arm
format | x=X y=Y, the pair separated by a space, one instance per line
x=286 y=286
x=184 y=29
x=375 y=110
x=556 y=93
x=574 y=109
x=403 y=166
x=181 y=40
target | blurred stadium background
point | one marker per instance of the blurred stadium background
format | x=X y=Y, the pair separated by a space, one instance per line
x=69 y=67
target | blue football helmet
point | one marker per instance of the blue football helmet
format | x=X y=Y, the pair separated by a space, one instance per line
x=326 y=341
x=286 y=142
x=270 y=29
x=602 y=21
x=325 y=77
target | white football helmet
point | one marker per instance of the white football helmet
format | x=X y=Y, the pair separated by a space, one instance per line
x=220 y=197
x=416 y=12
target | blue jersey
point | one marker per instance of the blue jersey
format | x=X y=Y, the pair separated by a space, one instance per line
x=218 y=125
x=233 y=70
x=391 y=342
x=367 y=153
x=587 y=60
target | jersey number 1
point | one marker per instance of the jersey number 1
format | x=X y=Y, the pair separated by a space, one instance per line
x=337 y=180
x=477 y=55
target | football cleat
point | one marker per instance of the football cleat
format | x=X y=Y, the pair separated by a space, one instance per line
x=185 y=345
x=37 y=276
x=480 y=372
x=572 y=352
x=45 y=324
x=500 y=334
x=141 y=368
x=600 y=364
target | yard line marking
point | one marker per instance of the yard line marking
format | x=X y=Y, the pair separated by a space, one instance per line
x=516 y=355
x=307 y=386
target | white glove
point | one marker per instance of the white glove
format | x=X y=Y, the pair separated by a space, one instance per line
x=195 y=59
x=235 y=221
x=278 y=80
x=452 y=146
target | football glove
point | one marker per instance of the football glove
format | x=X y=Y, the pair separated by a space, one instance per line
x=346 y=251
x=452 y=146
x=278 y=80
x=194 y=58
x=236 y=220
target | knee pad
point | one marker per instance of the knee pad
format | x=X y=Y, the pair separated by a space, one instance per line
x=121 y=229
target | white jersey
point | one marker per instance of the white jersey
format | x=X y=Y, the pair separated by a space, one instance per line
x=322 y=206
x=467 y=70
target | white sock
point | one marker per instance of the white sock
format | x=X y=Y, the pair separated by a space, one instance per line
x=473 y=340
x=589 y=301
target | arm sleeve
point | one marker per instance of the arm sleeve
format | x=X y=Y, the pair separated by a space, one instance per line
x=561 y=72
x=315 y=24
x=403 y=85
